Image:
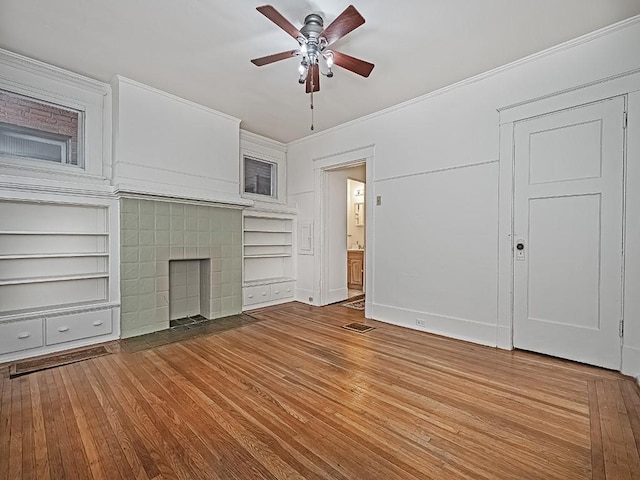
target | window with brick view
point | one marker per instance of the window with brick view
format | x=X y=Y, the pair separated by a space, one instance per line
x=259 y=177
x=39 y=131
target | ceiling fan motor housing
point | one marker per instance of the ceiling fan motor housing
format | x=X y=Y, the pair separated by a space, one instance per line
x=313 y=27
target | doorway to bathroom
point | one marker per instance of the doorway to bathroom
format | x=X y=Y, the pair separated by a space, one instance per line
x=344 y=235
x=332 y=207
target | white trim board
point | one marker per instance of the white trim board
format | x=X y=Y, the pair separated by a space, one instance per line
x=452 y=327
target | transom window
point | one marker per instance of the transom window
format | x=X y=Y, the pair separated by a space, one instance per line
x=38 y=130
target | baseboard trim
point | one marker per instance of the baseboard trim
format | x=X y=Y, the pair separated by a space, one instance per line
x=303 y=295
x=453 y=327
x=504 y=338
x=337 y=295
x=631 y=362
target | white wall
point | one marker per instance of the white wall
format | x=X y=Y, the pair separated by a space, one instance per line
x=165 y=145
x=436 y=167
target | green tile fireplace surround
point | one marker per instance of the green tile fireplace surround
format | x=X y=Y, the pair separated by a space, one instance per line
x=153 y=233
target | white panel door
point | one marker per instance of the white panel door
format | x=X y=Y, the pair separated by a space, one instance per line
x=568 y=209
x=336 y=237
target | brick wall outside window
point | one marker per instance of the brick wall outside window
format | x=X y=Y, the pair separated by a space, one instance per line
x=25 y=112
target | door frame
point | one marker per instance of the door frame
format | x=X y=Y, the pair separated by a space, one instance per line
x=323 y=165
x=627 y=85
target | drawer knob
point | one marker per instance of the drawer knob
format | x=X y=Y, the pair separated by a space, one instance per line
x=63 y=329
x=97 y=323
x=250 y=296
x=277 y=292
x=24 y=335
x=264 y=294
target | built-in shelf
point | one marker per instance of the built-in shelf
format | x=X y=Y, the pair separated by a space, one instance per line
x=57 y=265
x=268 y=245
x=52 y=255
x=53 y=278
x=92 y=234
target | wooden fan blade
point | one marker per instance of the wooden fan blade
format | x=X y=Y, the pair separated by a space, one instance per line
x=314 y=74
x=351 y=63
x=346 y=22
x=277 y=18
x=276 y=57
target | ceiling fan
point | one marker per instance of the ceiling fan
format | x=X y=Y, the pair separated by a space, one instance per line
x=313 y=45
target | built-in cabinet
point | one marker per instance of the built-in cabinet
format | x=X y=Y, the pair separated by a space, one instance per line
x=267 y=259
x=355 y=269
x=55 y=275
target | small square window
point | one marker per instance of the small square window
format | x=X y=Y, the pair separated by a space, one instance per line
x=39 y=131
x=260 y=177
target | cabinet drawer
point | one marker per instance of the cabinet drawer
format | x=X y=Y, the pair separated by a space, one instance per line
x=282 y=290
x=22 y=335
x=75 y=327
x=258 y=294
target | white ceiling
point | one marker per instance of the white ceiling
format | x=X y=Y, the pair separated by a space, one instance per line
x=200 y=49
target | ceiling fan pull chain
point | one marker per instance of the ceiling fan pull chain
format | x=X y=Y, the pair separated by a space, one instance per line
x=312 y=109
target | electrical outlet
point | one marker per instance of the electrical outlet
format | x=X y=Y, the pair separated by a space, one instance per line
x=311 y=299
x=379 y=200
x=420 y=322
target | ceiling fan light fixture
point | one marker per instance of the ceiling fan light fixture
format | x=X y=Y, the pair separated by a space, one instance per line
x=328 y=56
x=313 y=40
x=302 y=70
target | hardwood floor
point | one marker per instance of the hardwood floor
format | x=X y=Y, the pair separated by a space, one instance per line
x=294 y=395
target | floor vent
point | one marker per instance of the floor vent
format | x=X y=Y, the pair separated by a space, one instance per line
x=358 y=327
x=26 y=367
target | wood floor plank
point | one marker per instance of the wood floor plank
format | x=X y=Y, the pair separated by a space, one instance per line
x=54 y=430
x=289 y=393
x=15 y=427
x=631 y=396
x=40 y=456
x=92 y=450
x=27 y=427
x=105 y=425
x=597 y=451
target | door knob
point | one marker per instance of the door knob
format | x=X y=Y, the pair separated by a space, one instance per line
x=520 y=250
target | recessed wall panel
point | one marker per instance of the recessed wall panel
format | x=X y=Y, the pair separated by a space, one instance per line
x=571 y=152
x=564 y=260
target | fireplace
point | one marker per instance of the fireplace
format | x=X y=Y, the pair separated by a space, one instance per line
x=189 y=286
x=159 y=241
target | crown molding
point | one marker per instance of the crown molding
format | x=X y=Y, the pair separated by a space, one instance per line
x=37 y=67
x=255 y=139
x=121 y=79
x=477 y=78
